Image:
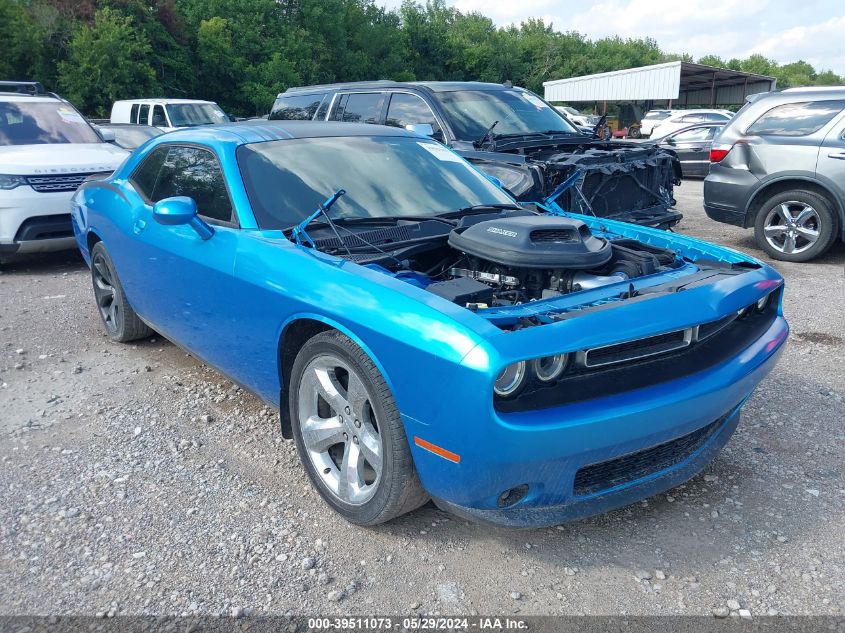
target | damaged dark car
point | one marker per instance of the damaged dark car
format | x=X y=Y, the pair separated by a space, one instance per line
x=514 y=136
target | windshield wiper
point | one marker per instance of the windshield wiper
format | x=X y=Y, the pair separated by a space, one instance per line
x=488 y=134
x=481 y=208
x=299 y=230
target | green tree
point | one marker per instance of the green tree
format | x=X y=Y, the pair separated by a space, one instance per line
x=107 y=60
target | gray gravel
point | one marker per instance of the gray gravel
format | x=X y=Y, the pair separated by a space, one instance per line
x=135 y=480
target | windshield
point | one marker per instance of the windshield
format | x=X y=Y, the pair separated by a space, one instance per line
x=40 y=122
x=384 y=176
x=472 y=112
x=191 y=114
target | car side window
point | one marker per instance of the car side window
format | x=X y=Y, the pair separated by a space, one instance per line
x=690 y=136
x=359 y=107
x=146 y=174
x=715 y=116
x=133 y=113
x=407 y=109
x=144 y=114
x=159 y=119
x=196 y=173
x=796 y=119
x=297 y=107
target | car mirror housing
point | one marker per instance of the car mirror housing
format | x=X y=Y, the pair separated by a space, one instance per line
x=423 y=129
x=181 y=210
x=107 y=136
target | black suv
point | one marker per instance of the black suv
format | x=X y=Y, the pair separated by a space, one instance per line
x=512 y=135
x=779 y=166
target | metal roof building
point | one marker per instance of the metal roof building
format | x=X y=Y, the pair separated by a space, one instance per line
x=677 y=83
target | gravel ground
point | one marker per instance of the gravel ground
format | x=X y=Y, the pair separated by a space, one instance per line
x=135 y=480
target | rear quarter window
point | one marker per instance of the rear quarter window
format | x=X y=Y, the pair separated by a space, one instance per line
x=297 y=107
x=796 y=119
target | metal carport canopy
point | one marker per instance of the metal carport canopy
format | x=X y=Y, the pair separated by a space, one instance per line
x=682 y=83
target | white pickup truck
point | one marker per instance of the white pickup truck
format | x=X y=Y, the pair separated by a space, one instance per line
x=167 y=114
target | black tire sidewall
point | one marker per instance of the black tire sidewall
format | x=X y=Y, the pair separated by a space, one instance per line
x=827 y=228
x=390 y=428
x=99 y=249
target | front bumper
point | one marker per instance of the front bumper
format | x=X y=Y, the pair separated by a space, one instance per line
x=31 y=221
x=549 y=450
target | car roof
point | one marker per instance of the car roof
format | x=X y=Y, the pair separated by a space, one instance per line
x=163 y=100
x=432 y=86
x=29 y=98
x=259 y=131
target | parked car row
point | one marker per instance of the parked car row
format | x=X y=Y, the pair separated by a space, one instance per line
x=536 y=152
x=510 y=134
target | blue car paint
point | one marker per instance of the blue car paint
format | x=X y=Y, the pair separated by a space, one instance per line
x=228 y=300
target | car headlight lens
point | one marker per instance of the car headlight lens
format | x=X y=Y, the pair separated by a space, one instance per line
x=550 y=368
x=10 y=182
x=510 y=380
x=762 y=303
x=515 y=179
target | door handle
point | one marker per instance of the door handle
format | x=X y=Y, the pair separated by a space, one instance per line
x=837 y=155
x=139 y=226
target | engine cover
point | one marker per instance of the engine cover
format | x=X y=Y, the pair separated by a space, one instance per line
x=533 y=242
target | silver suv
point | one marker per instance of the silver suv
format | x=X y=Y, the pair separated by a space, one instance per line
x=779 y=166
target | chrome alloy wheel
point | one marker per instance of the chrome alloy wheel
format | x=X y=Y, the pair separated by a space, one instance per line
x=105 y=293
x=339 y=429
x=792 y=227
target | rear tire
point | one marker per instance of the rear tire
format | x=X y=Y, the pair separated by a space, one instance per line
x=796 y=226
x=121 y=323
x=349 y=434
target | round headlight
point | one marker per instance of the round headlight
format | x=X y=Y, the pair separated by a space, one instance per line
x=550 y=368
x=762 y=303
x=510 y=380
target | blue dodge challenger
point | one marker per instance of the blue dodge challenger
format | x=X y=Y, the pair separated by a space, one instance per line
x=423 y=335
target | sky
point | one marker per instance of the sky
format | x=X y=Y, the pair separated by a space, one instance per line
x=783 y=30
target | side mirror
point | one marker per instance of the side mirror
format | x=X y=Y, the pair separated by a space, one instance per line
x=107 y=136
x=670 y=141
x=181 y=210
x=422 y=129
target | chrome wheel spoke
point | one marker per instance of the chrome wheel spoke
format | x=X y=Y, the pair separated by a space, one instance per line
x=351 y=473
x=789 y=244
x=370 y=446
x=320 y=434
x=356 y=395
x=805 y=214
x=785 y=213
x=776 y=230
x=329 y=389
x=808 y=234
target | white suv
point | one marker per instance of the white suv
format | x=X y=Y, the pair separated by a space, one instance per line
x=168 y=114
x=47 y=149
x=684 y=118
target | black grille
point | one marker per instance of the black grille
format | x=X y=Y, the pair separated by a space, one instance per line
x=640 y=348
x=622 y=470
x=724 y=339
x=64 y=182
x=555 y=235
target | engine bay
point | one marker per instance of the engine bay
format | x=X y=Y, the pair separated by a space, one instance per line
x=499 y=258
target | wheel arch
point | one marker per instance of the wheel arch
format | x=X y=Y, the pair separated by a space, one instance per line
x=91 y=238
x=775 y=187
x=295 y=332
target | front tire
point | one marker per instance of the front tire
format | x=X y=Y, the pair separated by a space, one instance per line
x=349 y=434
x=795 y=226
x=121 y=323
